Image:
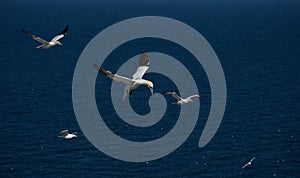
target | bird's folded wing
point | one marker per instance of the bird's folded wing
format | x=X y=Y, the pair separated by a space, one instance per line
x=115 y=77
x=44 y=42
x=61 y=34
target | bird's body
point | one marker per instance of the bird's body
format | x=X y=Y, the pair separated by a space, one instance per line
x=135 y=84
x=46 y=44
x=184 y=101
x=181 y=101
x=49 y=44
x=249 y=163
x=137 y=77
x=66 y=135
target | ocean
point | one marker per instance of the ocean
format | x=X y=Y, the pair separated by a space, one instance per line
x=257 y=43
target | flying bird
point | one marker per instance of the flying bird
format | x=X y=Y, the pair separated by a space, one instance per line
x=137 y=77
x=46 y=44
x=66 y=135
x=181 y=101
x=249 y=163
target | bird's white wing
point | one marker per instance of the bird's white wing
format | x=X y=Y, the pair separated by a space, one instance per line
x=193 y=96
x=143 y=67
x=174 y=95
x=126 y=91
x=61 y=34
x=115 y=77
x=245 y=165
x=56 y=38
x=64 y=132
x=141 y=70
x=249 y=163
x=44 y=42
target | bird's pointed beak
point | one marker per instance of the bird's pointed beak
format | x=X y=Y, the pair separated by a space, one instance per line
x=151 y=89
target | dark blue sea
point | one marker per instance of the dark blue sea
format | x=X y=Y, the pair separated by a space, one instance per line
x=257 y=43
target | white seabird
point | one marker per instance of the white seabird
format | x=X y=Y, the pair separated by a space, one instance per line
x=137 y=77
x=53 y=42
x=66 y=135
x=181 y=101
x=249 y=163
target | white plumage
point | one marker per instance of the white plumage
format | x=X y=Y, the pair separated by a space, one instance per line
x=66 y=135
x=137 y=77
x=181 y=101
x=46 y=44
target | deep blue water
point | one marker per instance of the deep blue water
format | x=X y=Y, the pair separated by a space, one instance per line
x=257 y=44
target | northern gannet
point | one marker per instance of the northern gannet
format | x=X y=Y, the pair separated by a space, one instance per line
x=249 y=163
x=181 y=101
x=53 y=42
x=137 y=77
x=66 y=135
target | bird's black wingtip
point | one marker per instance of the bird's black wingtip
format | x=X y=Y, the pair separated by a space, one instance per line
x=96 y=66
x=66 y=29
x=100 y=69
x=27 y=33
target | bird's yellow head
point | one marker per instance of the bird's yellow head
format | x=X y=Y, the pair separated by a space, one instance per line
x=150 y=84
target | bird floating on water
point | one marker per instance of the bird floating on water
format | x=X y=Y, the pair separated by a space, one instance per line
x=181 y=101
x=137 y=77
x=53 y=42
x=66 y=135
x=249 y=163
